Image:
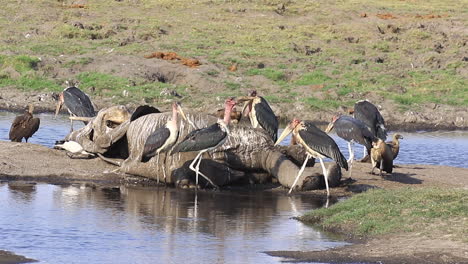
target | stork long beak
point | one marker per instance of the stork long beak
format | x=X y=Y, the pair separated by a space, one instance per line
x=247 y=100
x=57 y=109
x=241 y=99
x=182 y=114
x=81 y=118
x=329 y=127
x=287 y=130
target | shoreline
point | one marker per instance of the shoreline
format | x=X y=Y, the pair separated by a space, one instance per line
x=397 y=126
x=7 y=257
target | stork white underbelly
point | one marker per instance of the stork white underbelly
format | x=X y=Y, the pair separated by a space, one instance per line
x=171 y=139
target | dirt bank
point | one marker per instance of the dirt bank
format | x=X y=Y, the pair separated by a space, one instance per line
x=11 y=258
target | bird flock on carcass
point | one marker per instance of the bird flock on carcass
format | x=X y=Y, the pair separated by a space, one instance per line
x=366 y=127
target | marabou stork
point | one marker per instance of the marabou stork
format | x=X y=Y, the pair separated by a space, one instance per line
x=77 y=102
x=370 y=115
x=72 y=148
x=381 y=157
x=163 y=138
x=395 y=144
x=351 y=130
x=24 y=126
x=317 y=144
x=260 y=113
x=206 y=139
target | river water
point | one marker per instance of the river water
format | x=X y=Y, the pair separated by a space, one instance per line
x=79 y=223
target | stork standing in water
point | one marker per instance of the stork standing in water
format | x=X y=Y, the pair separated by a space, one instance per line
x=317 y=144
x=77 y=103
x=24 y=126
x=260 y=113
x=351 y=130
x=163 y=138
x=206 y=139
x=370 y=115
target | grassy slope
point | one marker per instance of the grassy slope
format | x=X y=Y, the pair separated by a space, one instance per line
x=354 y=59
x=431 y=211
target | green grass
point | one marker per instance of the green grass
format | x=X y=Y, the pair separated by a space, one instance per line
x=31 y=83
x=272 y=74
x=20 y=72
x=321 y=104
x=316 y=77
x=225 y=35
x=20 y=63
x=391 y=211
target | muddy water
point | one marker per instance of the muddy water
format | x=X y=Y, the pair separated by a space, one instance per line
x=78 y=224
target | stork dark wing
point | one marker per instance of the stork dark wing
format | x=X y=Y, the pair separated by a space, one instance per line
x=155 y=141
x=350 y=128
x=78 y=102
x=143 y=110
x=266 y=118
x=200 y=139
x=322 y=143
x=370 y=115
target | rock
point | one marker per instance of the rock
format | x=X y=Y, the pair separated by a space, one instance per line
x=459 y=121
x=379 y=60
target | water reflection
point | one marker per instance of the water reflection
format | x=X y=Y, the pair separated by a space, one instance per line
x=22 y=191
x=57 y=224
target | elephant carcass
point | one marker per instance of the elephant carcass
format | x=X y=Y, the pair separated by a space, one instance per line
x=103 y=131
x=245 y=153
